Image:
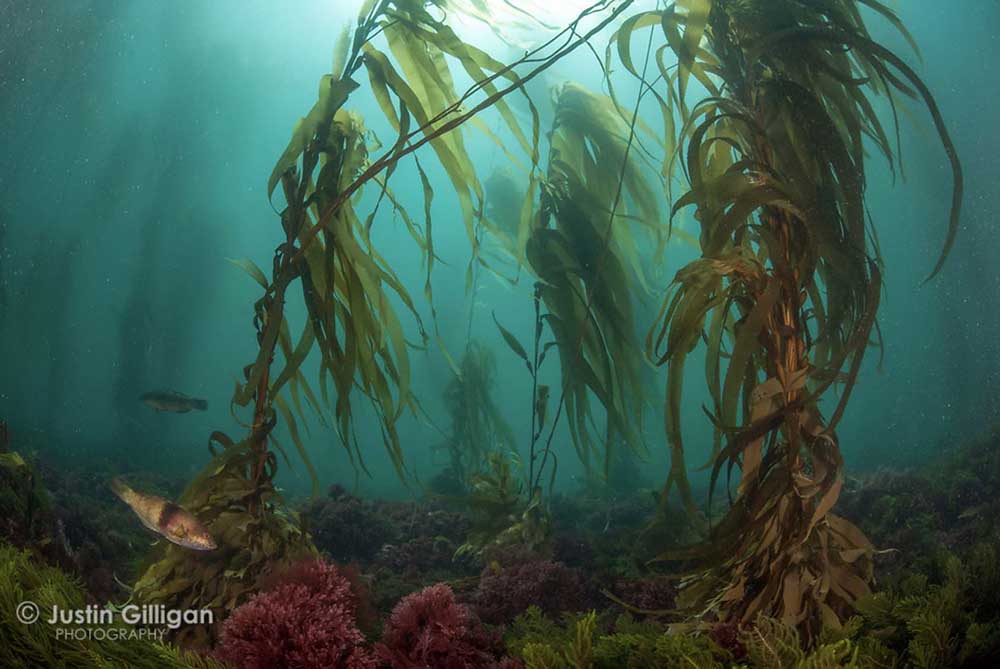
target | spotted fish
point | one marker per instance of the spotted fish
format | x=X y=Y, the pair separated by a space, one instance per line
x=166 y=518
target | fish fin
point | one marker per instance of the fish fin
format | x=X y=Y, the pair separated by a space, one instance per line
x=200 y=405
x=119 y=488
x=148 y=525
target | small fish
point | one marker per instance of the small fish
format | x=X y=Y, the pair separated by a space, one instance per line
x=541 y=405
x=166 y=518
x=4 y=437
x=171 y=400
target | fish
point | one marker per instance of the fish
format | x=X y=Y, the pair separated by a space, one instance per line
x=171 y=400
x=541 y=406
x=4 y=437
x=166 y=518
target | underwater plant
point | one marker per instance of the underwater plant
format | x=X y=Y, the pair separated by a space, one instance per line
x=24 y=646
x=584 y=254
x=501 y=515
x=430 y=628
x=347 y=286
x=786 y=291
x=504 y=592
x=582 y=247
x=307 y=621
x=346 y=527
x=22 y=501
x=477 y=426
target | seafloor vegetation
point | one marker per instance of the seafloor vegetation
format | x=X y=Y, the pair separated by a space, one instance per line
x=769 y=122
x=387 y=591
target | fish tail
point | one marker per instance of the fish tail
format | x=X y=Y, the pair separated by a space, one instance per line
x=200 y=405
x=119 y=488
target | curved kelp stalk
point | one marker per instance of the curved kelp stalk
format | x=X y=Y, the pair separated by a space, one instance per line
x=786 y=291
x=347 y=289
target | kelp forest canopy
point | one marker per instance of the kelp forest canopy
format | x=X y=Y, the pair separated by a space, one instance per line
x=767 y=113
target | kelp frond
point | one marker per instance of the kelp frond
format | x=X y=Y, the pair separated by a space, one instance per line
x=347 y=286
x=478 y=428
x=585 y=255
x=787 y=289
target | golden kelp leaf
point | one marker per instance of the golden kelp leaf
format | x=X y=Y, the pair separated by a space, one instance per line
x=623 y=38
x=697 y=19
x=251 y=268
x=333 y=94
x=451 y=156
x=512 y=342
x=295 y=359
x=340 y=49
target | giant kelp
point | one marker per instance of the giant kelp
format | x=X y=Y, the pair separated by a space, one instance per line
x=595 y=203
x=787 y=288
x=477 y=426
x=346 y=286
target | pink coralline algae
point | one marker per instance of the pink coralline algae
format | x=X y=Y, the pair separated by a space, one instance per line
x=307 y=622
x=430 y=630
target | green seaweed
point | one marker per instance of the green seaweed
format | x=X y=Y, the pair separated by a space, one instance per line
x=39 y=645
x=577 y=644
x=477 y=426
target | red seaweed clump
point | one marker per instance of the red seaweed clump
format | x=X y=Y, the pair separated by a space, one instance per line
x=553 y=587
x=430 y=628
x=420 y=554
x=655 y=592
x=347 y=527
x=306 y=622
x=727 y=636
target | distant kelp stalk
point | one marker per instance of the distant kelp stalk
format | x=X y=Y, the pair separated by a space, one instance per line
x=346 y=285
x=786 y=291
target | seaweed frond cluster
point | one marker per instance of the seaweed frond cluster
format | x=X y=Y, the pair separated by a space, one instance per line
x=596 y=206
x=787 y=288
x=26 y=646
x=250 y=545
x=478 y=429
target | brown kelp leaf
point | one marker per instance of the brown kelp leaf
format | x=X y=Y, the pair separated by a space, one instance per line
x=512 y=342
x=251 y=268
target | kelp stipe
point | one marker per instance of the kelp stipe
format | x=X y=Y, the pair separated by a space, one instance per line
x=789 y=276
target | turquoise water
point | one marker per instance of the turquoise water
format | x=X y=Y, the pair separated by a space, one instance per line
x=137 y=140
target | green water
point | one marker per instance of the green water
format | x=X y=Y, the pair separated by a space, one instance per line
x=137 y=142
